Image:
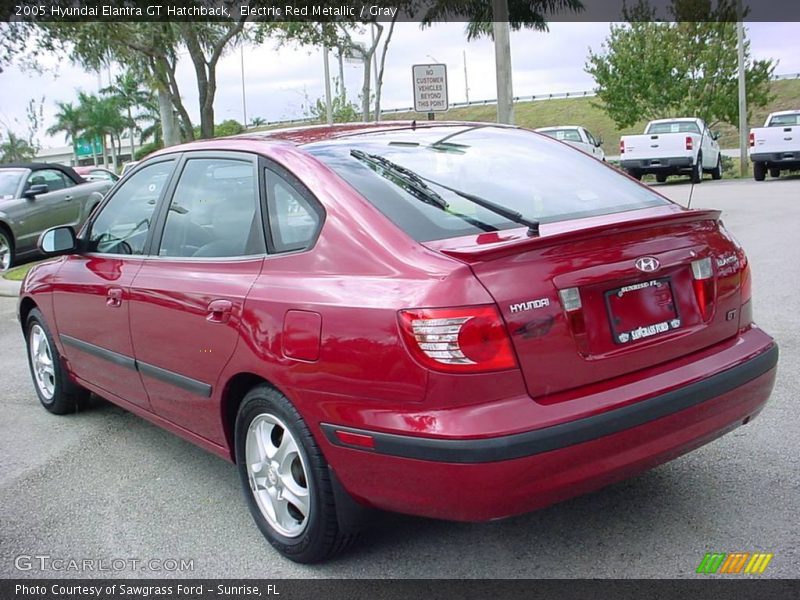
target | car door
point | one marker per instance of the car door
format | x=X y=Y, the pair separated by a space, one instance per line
x=91 y=291
x=592 y=147
x=187 y=298
x=710 y=148
x=58 y=206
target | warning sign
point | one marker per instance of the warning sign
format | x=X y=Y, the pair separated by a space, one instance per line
x=430 y=88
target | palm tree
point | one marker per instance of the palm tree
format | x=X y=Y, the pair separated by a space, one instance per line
x=15 y=149
x=101 y=117
x=68 y=120
x=127 y=90
x=257 y=122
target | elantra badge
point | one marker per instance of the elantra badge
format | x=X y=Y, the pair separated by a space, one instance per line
x=648 y=264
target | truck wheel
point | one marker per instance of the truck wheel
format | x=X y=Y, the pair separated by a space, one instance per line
x=635 y=174
x=759 y=171
x=716 y=172
x=774 y=173
x=697 y=170
x=661 y=178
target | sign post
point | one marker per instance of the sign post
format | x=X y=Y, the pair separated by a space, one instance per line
x=430 y=89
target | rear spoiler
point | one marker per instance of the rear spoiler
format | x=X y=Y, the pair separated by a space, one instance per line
x=491 y=246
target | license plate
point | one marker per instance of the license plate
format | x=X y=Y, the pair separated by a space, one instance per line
x=642 y=310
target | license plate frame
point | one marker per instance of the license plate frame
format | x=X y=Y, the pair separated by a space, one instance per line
x=668 y=320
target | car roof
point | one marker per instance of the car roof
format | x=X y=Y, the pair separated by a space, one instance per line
x=42 y=166
x=556 y=127
x=674 y=119
x=785 y=112
x=310 y=134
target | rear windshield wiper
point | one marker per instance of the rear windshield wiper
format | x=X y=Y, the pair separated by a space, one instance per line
x=415 y=185
x=420 y=181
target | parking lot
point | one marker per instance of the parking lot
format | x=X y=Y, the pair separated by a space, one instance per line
x=104 y=484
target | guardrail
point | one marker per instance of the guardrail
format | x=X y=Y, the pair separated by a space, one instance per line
x=532 y=98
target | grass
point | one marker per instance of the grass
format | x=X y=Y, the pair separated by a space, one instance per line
x=18 y=273
x=587 y=112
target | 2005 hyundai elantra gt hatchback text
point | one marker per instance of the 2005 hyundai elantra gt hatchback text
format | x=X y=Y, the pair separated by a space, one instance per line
x=460 y=321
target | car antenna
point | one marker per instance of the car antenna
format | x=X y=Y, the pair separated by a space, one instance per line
x=699 y=155
x=414 y=125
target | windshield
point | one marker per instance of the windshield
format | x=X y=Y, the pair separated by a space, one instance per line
x=674 y=127
x=785 y=120
x=9 y=182
x=565 y=135
x=540 y=179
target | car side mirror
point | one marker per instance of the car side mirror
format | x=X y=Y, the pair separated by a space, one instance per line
x=715 y=135
x=599 y=142
x=35 y=190
x=58 y=240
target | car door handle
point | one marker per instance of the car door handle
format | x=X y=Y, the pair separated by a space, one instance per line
x=114 y=298
x=67 y=197
x=219 y=311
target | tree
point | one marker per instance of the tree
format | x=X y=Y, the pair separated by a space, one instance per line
x=14 y=148
x=257 y=121
x=649 y=69
x=128 y=93
x=68 y=121
x=152 y=47
x=495 y=18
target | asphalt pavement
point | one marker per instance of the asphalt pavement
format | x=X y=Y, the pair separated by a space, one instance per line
x=103 y=484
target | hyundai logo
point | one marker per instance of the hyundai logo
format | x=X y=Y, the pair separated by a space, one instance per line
x=648 y=264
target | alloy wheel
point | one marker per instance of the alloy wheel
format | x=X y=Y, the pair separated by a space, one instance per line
x=278 y=475
x=42 y=362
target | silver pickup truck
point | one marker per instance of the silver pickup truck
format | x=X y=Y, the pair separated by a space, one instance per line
x=37 y=196
x=775 y=147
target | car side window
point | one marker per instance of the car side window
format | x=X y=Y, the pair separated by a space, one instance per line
x=294 y=220
x=122 y=225
x=53 y=179
x=214 y=211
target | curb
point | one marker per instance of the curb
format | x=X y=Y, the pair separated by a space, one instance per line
x=9 y=289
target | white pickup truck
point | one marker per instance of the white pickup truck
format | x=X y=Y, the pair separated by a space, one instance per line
x=776 y=145
x=672 y=147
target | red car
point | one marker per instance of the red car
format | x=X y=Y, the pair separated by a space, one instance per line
x=461 y=321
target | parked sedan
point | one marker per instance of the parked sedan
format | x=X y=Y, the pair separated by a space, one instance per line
x=460 y=321
x=577 y=137
x=97 y=174
x=36 y=196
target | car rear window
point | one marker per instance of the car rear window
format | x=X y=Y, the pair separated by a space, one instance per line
x=541 y=179
x=674 y=127
x=9 y=182
x=785 y=120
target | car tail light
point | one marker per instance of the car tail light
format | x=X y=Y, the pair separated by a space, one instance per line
x=622 y=146
x=469 y=339
x=571 y=301
x=752 y=139
x=703 y=274
x=689 y=142
x=746 y=287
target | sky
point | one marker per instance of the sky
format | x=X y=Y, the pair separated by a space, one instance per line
x=279 y=83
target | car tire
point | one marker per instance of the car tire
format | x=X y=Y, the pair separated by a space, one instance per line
x=774 y=173
x=57 y=393
x=6 y=250
x=661 y=178
x=295 y=478
x=697 y=170
x=759 y=171
x=716 y=172
x=635 y=174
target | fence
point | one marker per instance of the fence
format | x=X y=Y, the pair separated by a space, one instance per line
x=532 y=98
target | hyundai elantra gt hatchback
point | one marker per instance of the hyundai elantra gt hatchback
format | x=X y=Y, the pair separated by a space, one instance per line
x=460 y=321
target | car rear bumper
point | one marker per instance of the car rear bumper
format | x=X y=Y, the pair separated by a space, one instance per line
x=789 y=160
x=658 y=165
x=493 y=477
